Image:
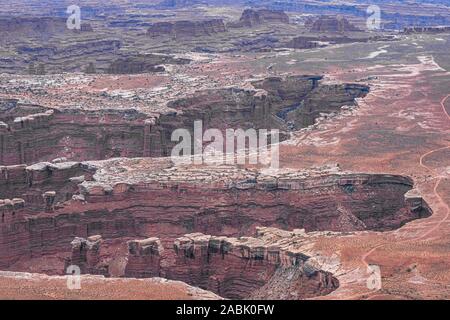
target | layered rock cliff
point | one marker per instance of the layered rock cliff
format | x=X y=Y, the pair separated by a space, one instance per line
x=331 y=24
x=186 y=29
x=86 y=255
x=426 y=29
x=43 y=27
x=237 y=268
x=251 y=17
x=241 y=268
x=272 y=103
x=144 y=258
x=143 y=64
x=143 y=197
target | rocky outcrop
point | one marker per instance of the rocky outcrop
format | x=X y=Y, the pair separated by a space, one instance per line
x=313 y=105
x=239 y=268
x=186 y=29
x=299 y=100
x=308 y=42
x=426 y=29
x=289 y=89
x=11 y=210
x=86 y=255
x=290 y=200
x=251 y=17
x=37 y=183
x=74 y=135
x=36 y=26
x=331 y=24
x=143 y=64
x=7 y=104
x=144 y=258
x=302 y=42
x=55 y=58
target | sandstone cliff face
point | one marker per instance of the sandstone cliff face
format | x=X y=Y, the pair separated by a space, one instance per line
x=36 y=26
x=186 y=29
x=73 y=135
x=293 y=88
x=299 y=100
x=37 y=183
x=274 y=103
x=144 y=258
x=123 y=199
x=86 y=255
x=10 y=210
x=251 y=18
x=312 y=106
x=331 y=24
x=68 y=57
x=237 y=268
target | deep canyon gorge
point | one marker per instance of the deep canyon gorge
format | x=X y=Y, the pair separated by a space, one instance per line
x=135 y=214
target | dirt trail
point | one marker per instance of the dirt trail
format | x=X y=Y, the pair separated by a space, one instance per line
x=441 y=202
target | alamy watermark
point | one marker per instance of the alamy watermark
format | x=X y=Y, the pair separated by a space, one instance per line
x=73 y=277
x=234 y=146
x=73 y=22
x=373 y=22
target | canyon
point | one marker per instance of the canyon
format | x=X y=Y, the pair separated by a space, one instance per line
x=88 y=182
x=118 y=199
x=106 y=209
x=105 y=201
x=31 y=133
x=182 y=29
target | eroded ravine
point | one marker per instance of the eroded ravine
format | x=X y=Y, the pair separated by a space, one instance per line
x=146 y=217
x=30 y=133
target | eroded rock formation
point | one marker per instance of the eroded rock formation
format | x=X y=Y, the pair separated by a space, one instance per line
x=143 y=64
x=240 y=268
x=331 y=24
x=428 y=29
x=86 y=255
x=85 y=213
x=186 y=29
x=142 y=197
x=237 y=268
x=144 y=258
x=303 y=42
x=37 y=26
x=299 y=100
x=29 y=134
x=251 y=17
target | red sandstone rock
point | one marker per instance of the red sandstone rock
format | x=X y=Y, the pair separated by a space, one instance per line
x=144 y=258
x=94 y=135
x=141 y=197
x=239 y=268
x=86 y=255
